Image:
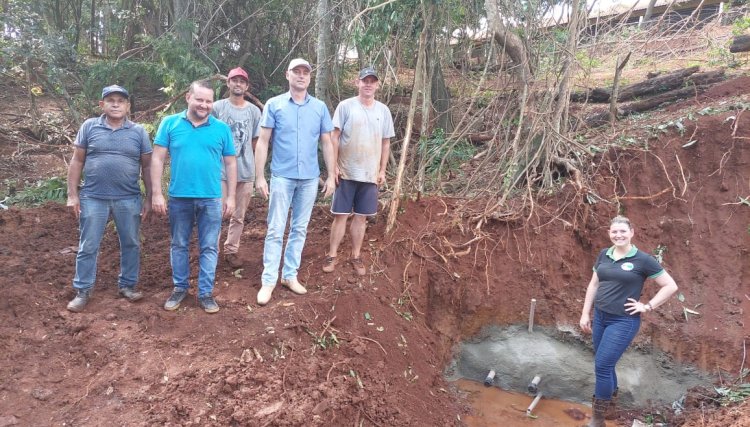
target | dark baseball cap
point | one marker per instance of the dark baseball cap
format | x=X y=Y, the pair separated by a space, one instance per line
x=369 y=71
x=109 y=90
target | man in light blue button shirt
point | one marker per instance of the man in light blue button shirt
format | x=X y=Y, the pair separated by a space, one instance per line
x=292 y=123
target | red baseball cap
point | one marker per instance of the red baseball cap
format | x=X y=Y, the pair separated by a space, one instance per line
x=238 y=72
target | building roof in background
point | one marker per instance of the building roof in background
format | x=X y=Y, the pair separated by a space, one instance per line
x=598 y=9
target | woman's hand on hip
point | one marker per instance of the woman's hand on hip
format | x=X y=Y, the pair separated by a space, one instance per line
x=635 y=306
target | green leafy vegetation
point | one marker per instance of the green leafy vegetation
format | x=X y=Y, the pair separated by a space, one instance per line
x=442 y=154
x=586 y=61
x=740 y=25
x=720 y=56
x=325 y=341
x=734 y=394
x=655 y=417
x=34 y=194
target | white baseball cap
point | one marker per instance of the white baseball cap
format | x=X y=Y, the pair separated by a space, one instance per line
x=299 y=62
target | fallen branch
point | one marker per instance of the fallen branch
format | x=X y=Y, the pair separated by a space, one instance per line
x=653 y=196
x=602 y=118
x=379 y=345
x=682 y=174
x=662 y=83
x=164 y=106
x=740 y=44
x=743 y=201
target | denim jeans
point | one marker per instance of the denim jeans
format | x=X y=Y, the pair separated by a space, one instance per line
x=95 y=214
x=299 y=194
x=611 y=334
x=183 y=214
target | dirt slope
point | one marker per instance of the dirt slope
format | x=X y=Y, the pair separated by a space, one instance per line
x=371 y=351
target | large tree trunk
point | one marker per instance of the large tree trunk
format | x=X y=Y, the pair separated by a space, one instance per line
x=416 y=89
x=424 y=129
x=656 y=101
x=128 y=36
x=616 y=87
x=509 y=41
x=563 y=93
x=649 y=13
x=152 y=22
x=181 y=17
x=441 y=98
x=663 y=83
x=93 y=29
x=77 y=6
x=324 y=57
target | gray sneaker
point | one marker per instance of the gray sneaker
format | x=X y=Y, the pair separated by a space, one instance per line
x=77 y=304
x=173 y=303
x=209 y=304
x=130 y=294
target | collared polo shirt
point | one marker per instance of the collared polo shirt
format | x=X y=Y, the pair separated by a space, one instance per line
x=296 y=132
x=623 y=278
x=196 y=154
x=113 y=158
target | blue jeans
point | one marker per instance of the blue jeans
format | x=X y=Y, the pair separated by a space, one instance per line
x=299 y=194
x=612 y=334
x=92 y=222
x=183 y=214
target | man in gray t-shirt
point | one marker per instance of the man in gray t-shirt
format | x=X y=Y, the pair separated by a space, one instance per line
x=111 y=152
x=244 y=118
x=363 y=128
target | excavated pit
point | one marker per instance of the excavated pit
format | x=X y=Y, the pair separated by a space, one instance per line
x=564 y=361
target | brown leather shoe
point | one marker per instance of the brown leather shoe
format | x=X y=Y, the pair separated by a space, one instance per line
x=329 y=265
x=359 y=266
x=233 y=260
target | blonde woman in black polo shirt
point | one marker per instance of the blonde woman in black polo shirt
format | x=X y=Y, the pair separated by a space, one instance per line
x=614 y=292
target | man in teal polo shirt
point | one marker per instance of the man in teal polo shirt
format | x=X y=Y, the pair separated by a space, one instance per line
x=292 y=123
x=197 y=144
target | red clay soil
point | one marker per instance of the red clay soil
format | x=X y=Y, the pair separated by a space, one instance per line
x=371 y=351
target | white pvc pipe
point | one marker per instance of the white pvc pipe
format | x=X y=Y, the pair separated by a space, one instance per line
x=534 y=385
x=531 y=315
x=490 y=378
x=533 y=404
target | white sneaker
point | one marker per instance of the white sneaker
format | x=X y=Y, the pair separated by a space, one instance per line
x=264 y=294
x=294 y=285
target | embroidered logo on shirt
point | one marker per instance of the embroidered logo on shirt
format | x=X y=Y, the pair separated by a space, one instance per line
x=628 y=266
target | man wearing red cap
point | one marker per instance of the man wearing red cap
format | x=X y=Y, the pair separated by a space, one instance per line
x=243 y=117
